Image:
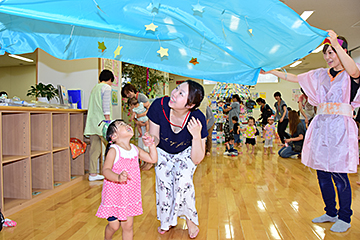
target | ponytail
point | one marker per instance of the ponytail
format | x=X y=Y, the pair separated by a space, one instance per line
x=107 y=148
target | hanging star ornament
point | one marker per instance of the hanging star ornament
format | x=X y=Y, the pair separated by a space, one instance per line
x=97 y=5
x=101 y=46
x=198 y=8
x=163 y=51
x=117 y=51
x=250 y=31
x=151 y=27
x=194 y=61
x=156 y=4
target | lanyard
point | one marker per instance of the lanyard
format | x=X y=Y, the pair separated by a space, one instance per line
x=182 y=126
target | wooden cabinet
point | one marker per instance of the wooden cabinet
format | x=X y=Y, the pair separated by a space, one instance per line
x=35 y=154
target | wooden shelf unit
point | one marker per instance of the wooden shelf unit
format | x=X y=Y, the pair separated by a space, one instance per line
x=76 y=131
x=35 y=154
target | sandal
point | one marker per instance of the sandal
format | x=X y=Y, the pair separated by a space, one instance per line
x=161 y=231
x=9 y=223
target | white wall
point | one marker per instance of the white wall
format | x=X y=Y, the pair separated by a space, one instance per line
x=16 y=81
x=73 y=74
x=284 y=87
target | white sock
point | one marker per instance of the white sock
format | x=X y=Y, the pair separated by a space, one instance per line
x=340 y=226
x=324 y=218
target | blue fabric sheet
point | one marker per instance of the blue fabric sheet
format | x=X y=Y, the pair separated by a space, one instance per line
x=219 y=37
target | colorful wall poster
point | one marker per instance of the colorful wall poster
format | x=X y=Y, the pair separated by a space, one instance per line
x=114 y=97
x=112 y=65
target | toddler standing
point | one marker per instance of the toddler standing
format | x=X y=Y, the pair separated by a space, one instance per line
x=250 y=131
x=268 y=135
x=121 y=194
x=236 y=131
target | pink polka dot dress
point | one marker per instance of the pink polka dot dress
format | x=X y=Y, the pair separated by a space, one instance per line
x=122 y=200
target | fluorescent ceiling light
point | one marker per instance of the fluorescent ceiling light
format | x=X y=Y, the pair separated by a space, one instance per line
x=182 y=51
x=306 y=14
x=295 y=63
x=274 y=49
x=319 y=49
x=21 y=58
x=234 y=23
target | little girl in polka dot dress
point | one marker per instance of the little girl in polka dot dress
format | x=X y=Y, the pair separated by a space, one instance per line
x=121 y=194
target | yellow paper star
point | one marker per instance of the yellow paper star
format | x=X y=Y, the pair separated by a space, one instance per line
x=117 y=51
x=101 y=46
x=151 y=27
x=163 y=52
x=250 y=31
x=194 y=61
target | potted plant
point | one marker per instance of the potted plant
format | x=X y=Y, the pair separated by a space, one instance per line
x=41 y=90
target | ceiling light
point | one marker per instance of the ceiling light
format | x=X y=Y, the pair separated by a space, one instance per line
x=306 y=14
x=295 y=63
x=234 y=23
x=21 y=58
x=319 y=49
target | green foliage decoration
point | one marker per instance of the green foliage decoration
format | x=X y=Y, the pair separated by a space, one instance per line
x=137 y=74
x=42 y=90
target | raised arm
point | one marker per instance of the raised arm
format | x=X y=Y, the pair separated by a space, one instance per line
x=347 y=62
x=286 y=76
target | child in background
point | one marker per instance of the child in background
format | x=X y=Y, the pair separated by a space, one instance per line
x=269 y=134
x=226 y=105
x=236 y=131
x=242 y=111
x=229 y=148
x=250 y=131
x=121 y=194
x=138 y=108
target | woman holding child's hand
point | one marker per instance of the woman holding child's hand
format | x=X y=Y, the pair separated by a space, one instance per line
x=179 y=131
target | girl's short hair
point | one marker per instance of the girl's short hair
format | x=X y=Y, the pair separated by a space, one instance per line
x=132 y=101
x=196 y=94
x=251 y=118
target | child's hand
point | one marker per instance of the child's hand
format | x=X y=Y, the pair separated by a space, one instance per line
x=148 y=140
x=123 y=177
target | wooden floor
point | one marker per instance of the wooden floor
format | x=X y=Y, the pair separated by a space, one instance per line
x=244 y=197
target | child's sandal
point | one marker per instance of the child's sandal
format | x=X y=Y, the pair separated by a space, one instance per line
x=161 y=231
